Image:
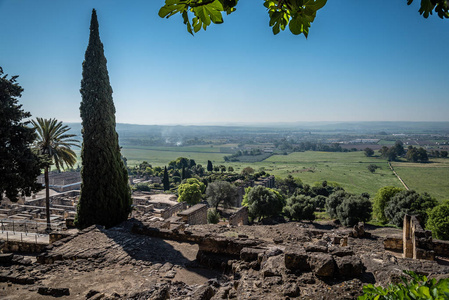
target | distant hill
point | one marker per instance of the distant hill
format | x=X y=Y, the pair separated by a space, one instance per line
x=134 y=130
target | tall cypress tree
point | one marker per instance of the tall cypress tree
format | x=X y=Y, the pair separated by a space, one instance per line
x=165 y=180
x=209 y=166
x=105 y=194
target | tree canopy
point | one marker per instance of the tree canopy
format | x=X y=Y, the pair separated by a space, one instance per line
x=221 y=192
x=19 y=166
x=296 y=15
x=263 y=202
x=191 y=191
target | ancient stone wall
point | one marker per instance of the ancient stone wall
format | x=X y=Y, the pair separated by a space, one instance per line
x=170 y=211
x=195 y=215
x=23 y=247
x=441 y=248
x=417 y=241
x=240 y=217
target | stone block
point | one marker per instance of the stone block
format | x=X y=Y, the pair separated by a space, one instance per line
x=322 y=264
x=349 y=266
x=296 y=259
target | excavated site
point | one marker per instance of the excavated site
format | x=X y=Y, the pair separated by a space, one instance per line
x=142 y=259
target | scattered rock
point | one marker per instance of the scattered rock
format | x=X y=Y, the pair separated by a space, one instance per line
x=6 y=257
x=310 y=247
x=55 y=292
x=204 y=292
x=250 y=254
x=349 y=266
x=296 y=259
x=290 y=290
x=322 y=264
x=273 y=266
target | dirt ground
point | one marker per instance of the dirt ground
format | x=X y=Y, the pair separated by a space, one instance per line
x=118 y=264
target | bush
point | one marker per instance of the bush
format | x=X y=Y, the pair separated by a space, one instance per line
x=334 y=201
x=320 y=201
x=381 y=199
x=438 y=221
x=372 y=168
x=419 y=287
x=353 y=210
x=411 y=203
x=221 y=192
x=213 y=216
x=300 y=208
x=263 y=202
x=142 y=187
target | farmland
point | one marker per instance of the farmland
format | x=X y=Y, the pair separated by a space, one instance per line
x=349 y=169
x=431 y=177
x=159 y=145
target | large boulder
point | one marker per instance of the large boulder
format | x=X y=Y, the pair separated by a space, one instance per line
x=273 y=266
x=296 y=259
x=322 y=264
x=349 y=266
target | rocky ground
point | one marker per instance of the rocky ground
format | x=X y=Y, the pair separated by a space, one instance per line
x=119 y=264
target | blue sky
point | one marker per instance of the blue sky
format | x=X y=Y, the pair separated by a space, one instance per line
x=363 y=61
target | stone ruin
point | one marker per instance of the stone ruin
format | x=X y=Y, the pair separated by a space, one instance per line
x=416 y=242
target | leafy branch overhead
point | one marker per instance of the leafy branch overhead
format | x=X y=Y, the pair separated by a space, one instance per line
x=297 y=15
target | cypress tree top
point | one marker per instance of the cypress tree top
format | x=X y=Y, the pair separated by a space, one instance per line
x=105 y=194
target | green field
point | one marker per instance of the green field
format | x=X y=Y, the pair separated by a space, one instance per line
x=349 y=169
x=432 y=177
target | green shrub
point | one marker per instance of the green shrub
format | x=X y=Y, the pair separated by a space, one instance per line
x=320 y=201
x=438 y=221
x=333 y=201
x=409 y=202
x=300 y=208
x=381 y=199
x=213 y=216
x=354 y=209
x=142 y=187
x=263 y=202
x=418 y=288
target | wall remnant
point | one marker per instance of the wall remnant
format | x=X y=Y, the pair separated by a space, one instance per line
x=240 y=217
x=416 y=242
x=195 y=215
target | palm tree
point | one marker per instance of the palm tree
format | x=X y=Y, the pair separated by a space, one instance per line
x=53 y=143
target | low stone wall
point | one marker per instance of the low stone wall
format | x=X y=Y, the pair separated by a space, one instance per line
x=23 y=247
x=393 y=244
x=240 y=217
x=196 y=215
x=206 y=243
x=441 y=248
x=416 y=242
x=171 y=211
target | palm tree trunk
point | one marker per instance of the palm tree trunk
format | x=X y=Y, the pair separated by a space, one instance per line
x=47 y=198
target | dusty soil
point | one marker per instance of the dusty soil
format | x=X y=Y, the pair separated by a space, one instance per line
x=117 y=264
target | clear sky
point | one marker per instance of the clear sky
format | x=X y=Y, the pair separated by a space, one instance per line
x=363 y=61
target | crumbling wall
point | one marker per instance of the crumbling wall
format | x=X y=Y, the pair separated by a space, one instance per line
x=196 y=215
x=417 y=242
x=240 y=217
x=171 y=211
x=441 y=248
x=23 y=247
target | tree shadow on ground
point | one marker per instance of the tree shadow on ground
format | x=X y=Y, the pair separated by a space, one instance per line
x=142 y=248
